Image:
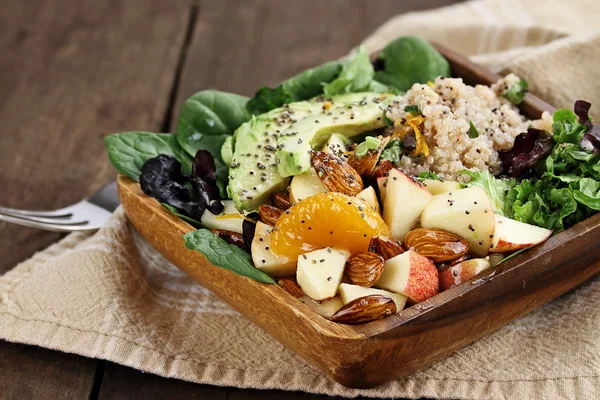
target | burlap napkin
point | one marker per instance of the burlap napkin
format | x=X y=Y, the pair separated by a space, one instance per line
x=111 y=296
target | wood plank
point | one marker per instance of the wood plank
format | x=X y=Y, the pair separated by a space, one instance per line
x=122 y=383
x=30 y=372
x=239 y=46
x=70 y=75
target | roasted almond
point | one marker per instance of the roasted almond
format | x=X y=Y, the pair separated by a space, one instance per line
x=383 y=168
x=367 y=164
x=436 y=244
x=291 y=286
x=365 y=309
x=364 y=269
x=386 y=247
x=269 y=214
x=336 y=174
x=282 y=200
x=231 y=238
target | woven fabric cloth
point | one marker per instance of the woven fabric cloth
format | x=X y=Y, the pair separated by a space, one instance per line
x=111 y=296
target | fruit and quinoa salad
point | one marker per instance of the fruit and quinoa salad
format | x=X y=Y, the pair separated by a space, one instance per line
x=365 y=187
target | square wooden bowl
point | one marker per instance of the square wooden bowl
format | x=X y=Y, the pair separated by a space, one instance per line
x=406 y=341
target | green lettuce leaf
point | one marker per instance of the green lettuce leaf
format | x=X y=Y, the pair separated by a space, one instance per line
x=392 y=152
x=496 y=188
x=224 y=255
x=356 y=76
x=303 y=86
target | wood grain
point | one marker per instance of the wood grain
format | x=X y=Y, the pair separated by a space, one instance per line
x=30 y=372
x=411 y=339
x=72 y=73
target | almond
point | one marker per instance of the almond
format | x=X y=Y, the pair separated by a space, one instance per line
x=282 y=200
x=269 y=214
x=365 y=309
x=231 y=238
x=387 y=247
x=436 y=244
x=336 y=174
x=291 y=286
x=383 y=168
x=364 y=269
x=366 y=165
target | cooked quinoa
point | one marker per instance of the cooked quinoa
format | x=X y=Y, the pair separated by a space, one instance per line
x=448 y=105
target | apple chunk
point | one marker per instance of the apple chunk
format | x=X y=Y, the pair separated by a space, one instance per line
x=436 y=186
x=324 y=308
x=264 y=259
x=229 y=219
x=511 y=235
x=462 y=272
x=466 y=212
x=405 y=199
x=350 y=292
x=368 y=196
x=411 y=275
x=320 y=272
x=382 y=185
x=305 y=185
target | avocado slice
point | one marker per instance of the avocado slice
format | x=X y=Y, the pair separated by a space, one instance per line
x=349 y=115
x=253 y=175
x=337 y=144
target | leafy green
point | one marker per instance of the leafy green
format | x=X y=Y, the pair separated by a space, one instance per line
x=409 y=60
x=428 y=175
x=128 y=151
x=516 y=93
x=379 y=87
x=370 y=143
x=187 y=219
x=392 y=152
x=473 y=132
x=224 y=255
x=566 y=128
x=496 y=188
x=206 y=120
x=415 y=110
x=356 y=76
x=568 y=190
x=516 y=253
x=303 y=86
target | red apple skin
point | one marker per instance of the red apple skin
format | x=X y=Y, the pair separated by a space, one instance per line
x=423 y=281
x=462 y=272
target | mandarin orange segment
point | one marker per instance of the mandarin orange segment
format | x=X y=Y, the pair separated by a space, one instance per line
x=326 y=220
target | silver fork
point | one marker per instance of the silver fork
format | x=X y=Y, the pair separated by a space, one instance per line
x=86 y=215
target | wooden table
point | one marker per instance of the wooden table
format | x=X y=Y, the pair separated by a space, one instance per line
x=74 y=71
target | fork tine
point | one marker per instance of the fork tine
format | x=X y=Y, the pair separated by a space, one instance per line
x=61 y=213
x=55 y=220
x=48 y=226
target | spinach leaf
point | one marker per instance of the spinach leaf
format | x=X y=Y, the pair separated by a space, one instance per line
x=224 y=255
x=473 y=132
x=128 y=151
x=516 y=93
x=206 y=120
x=187 y=219
x=428 y=175
x=356 y=76
x=409 y=60
x=303 y=86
